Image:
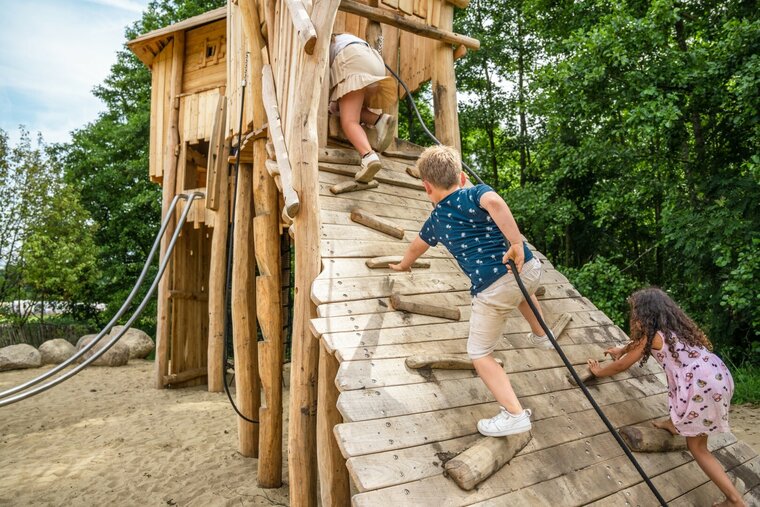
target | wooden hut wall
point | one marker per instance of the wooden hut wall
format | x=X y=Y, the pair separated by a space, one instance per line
x=198 y=111
x=205 y=57
x=159 y=111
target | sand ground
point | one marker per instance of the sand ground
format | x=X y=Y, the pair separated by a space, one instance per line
x=106 y=437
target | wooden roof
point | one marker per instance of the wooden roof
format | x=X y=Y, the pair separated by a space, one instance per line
x=401 y=425
x=148 y=45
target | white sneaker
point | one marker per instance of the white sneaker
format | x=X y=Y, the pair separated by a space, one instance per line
x=370 y=166
x=540 y=342
x=504 y=423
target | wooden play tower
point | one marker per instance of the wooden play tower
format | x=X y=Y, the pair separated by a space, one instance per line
x=364 y=428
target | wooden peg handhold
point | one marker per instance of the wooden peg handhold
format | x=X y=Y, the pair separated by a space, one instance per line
x=540 y=291
x=413 y=172
x=484 y=459
x=585 y=374
x=360 y=216
x=383 y=262
x=560 y=324
x=401 y=303
x=644 y=438
x=442 y=362
x=352 y=186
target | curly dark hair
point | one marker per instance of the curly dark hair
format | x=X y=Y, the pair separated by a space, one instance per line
x=653 y=310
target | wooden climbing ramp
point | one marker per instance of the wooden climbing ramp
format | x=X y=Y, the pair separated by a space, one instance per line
x=400 y=425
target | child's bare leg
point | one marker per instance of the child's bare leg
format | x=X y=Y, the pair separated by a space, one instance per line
x=350 y=113
x=527 y=313
x=368 y=117
x=714 y=470
x=665 y=424
x=496 y=380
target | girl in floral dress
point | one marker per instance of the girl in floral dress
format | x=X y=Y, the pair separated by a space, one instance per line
x=699 y=384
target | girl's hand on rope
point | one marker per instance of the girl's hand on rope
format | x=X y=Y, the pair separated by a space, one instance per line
x=517 y=254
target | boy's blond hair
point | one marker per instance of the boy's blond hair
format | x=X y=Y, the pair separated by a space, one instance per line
x=440 y=166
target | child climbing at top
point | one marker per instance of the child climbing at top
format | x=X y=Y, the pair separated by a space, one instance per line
x=357 y=83
x=699 y=384
x=477 y=227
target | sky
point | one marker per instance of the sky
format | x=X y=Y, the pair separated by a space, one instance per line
x=52 y=54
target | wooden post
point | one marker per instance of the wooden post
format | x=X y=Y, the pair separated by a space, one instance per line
x=163 y=327
x=444 y=86
x=266 y=238
x=244 y=315
x=218 y=280
x=303 y=151
x=333 y=474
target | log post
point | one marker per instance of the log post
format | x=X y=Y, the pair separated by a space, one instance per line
x=333 y=474
x=303 y=151
x=244 y=315
x=217 y=275
x=444 y=86
x=266 y=238
x=163 y=327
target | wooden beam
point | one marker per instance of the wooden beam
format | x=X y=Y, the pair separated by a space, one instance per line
x=303 y=25
x=560 y=324
x=360 y=216
x=442 y=362
x=352 y=186
x=391 y=18
x=184 y=376
x=647 y=438
x=445 y=87
x=217 y=153
x=401 y=303
x=303 y=145
x=485 y=458
x=189 y=295
x=217 y=281
x=332 y=465
x=383 y=262
x=292 y=201
x=163 y=325
x=244 y=315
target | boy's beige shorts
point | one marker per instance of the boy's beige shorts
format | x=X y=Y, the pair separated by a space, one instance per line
x=491 y=307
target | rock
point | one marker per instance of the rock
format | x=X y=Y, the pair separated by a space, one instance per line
x=56 y=351
x=16 y=357
x=117 y=355
x=139 y=343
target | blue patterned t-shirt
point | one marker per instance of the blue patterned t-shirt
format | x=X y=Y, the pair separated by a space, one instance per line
x=471 y=235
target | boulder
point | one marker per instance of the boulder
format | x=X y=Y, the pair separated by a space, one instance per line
x=56 y=351
x=117 y=355
x=16 y=357
x=139 y=343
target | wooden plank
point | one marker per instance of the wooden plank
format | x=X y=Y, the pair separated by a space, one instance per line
x=302 y=22
x=406 y=6
x=359 y=232
x=390 y=190
x=598 y=463
x=442 y=362
x=402 y=209
x=388 y=401
x=366 y=218
x=602 y=336
x=338 y=268
x=394 y=329
x=345 y=248
x=377 y=373
x=352 y=186
x=216 y=168
x=377 y=436
x=401 y=303
x=384 y=175
x=177 y=378
x=484 y=458
x=383 y=198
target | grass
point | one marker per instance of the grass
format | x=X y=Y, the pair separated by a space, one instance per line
x=746 y=384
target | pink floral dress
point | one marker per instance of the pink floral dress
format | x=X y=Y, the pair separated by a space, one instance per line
x=700 y=388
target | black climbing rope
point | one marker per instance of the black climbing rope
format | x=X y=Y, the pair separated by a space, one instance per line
x=230 y=253
x=568 y=364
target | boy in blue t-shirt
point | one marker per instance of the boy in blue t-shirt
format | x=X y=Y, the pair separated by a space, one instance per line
x=472 y=223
